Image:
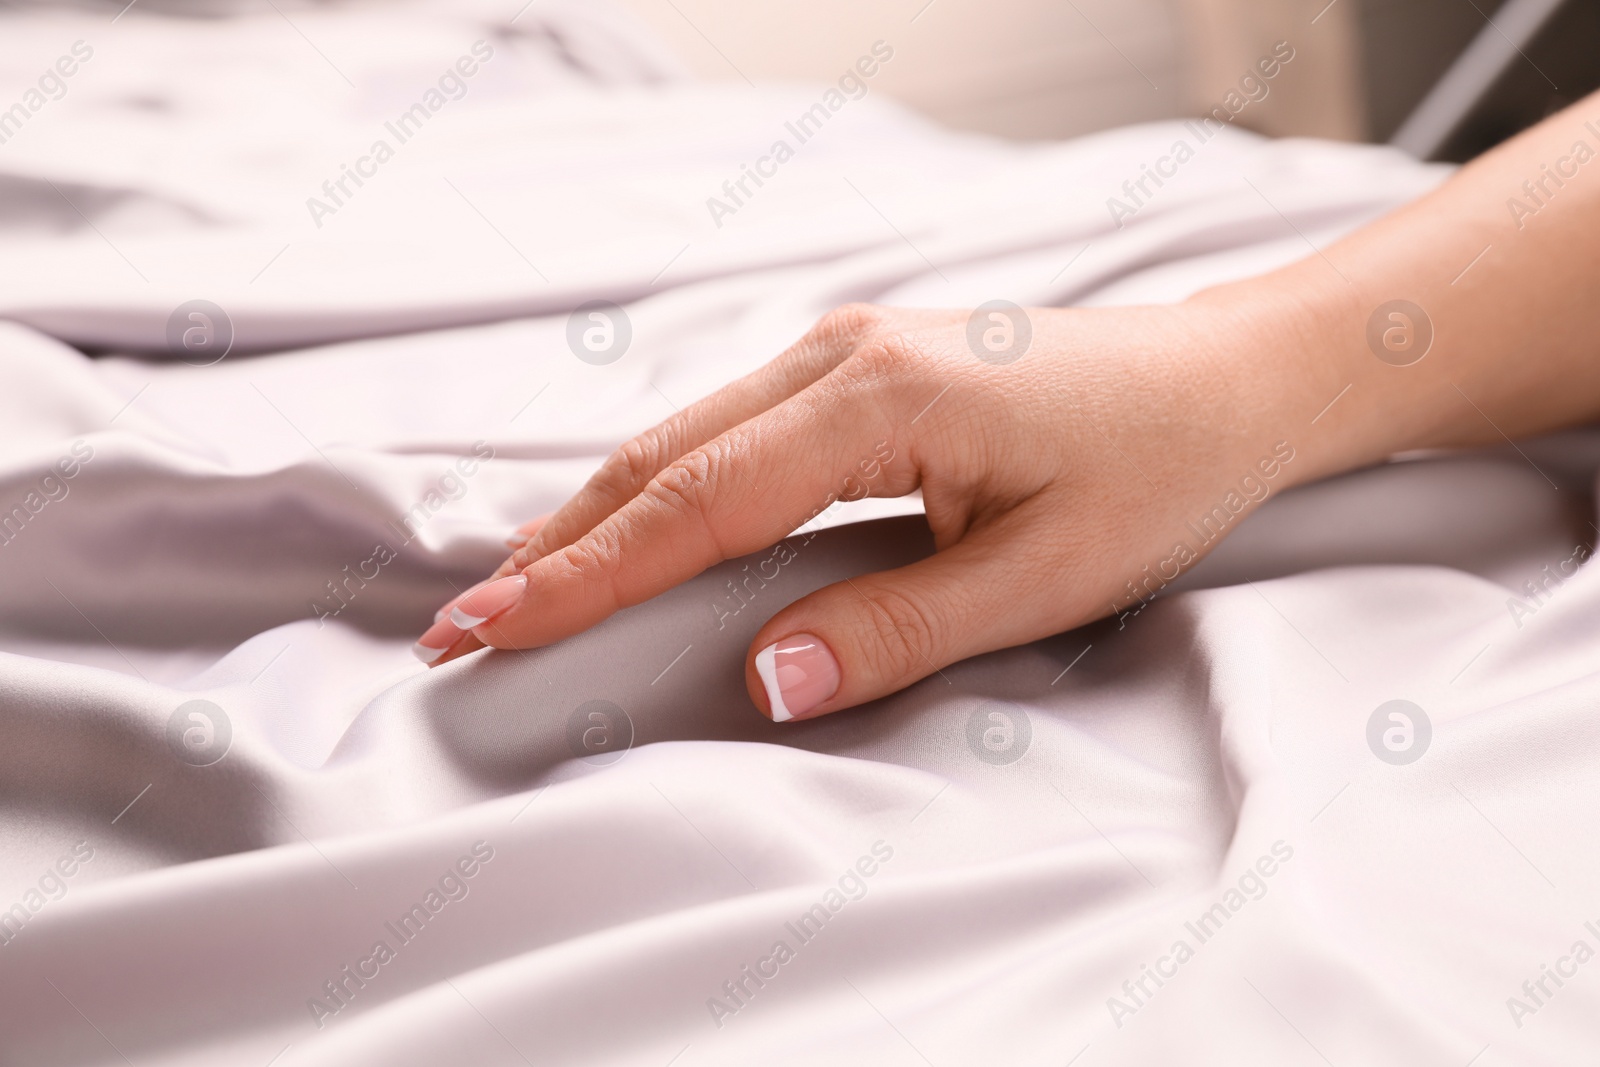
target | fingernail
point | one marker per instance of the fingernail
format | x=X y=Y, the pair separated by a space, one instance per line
x=478 y=608
x=799 y=673
x=458 y=598
x=436 y=640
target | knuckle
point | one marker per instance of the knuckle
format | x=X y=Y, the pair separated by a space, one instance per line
x=884 y=363
x=688 y=484
x=689 y=488
x=549 y=537
x=849 y=322
x=536 y=547
x=902 y=635
x=632 y=465
x=888 y=354
x=592 y=558
x=899 y=350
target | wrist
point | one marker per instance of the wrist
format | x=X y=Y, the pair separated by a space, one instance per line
x=1298 y=340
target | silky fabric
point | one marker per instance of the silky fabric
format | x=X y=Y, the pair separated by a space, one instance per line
x=242 y=825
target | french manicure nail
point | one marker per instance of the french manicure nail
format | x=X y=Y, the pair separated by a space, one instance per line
x=436 y=640
x=478 y=608
x=798 y=673
x=458 y=598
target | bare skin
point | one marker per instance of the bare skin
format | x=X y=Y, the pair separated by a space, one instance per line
x=1056 y=483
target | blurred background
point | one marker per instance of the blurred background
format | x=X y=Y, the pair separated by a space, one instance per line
x=1049 y=69
x=1053 y=69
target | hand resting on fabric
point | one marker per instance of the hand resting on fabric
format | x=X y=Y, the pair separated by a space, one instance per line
x=1080 y=478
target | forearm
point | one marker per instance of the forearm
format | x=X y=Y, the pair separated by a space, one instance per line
x=1505 y=272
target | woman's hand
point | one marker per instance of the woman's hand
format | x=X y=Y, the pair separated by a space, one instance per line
x=1070 y=482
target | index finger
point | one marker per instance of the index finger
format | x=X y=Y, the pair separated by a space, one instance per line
x=740 y=492
x=628 y=470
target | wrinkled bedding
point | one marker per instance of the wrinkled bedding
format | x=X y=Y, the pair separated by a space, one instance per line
x=240 y=824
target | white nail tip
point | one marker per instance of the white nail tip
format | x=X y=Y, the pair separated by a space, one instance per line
x=767 y=669
x=426 y=654
x=465 y=621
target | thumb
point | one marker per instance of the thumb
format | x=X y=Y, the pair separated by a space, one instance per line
x=867 y=637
